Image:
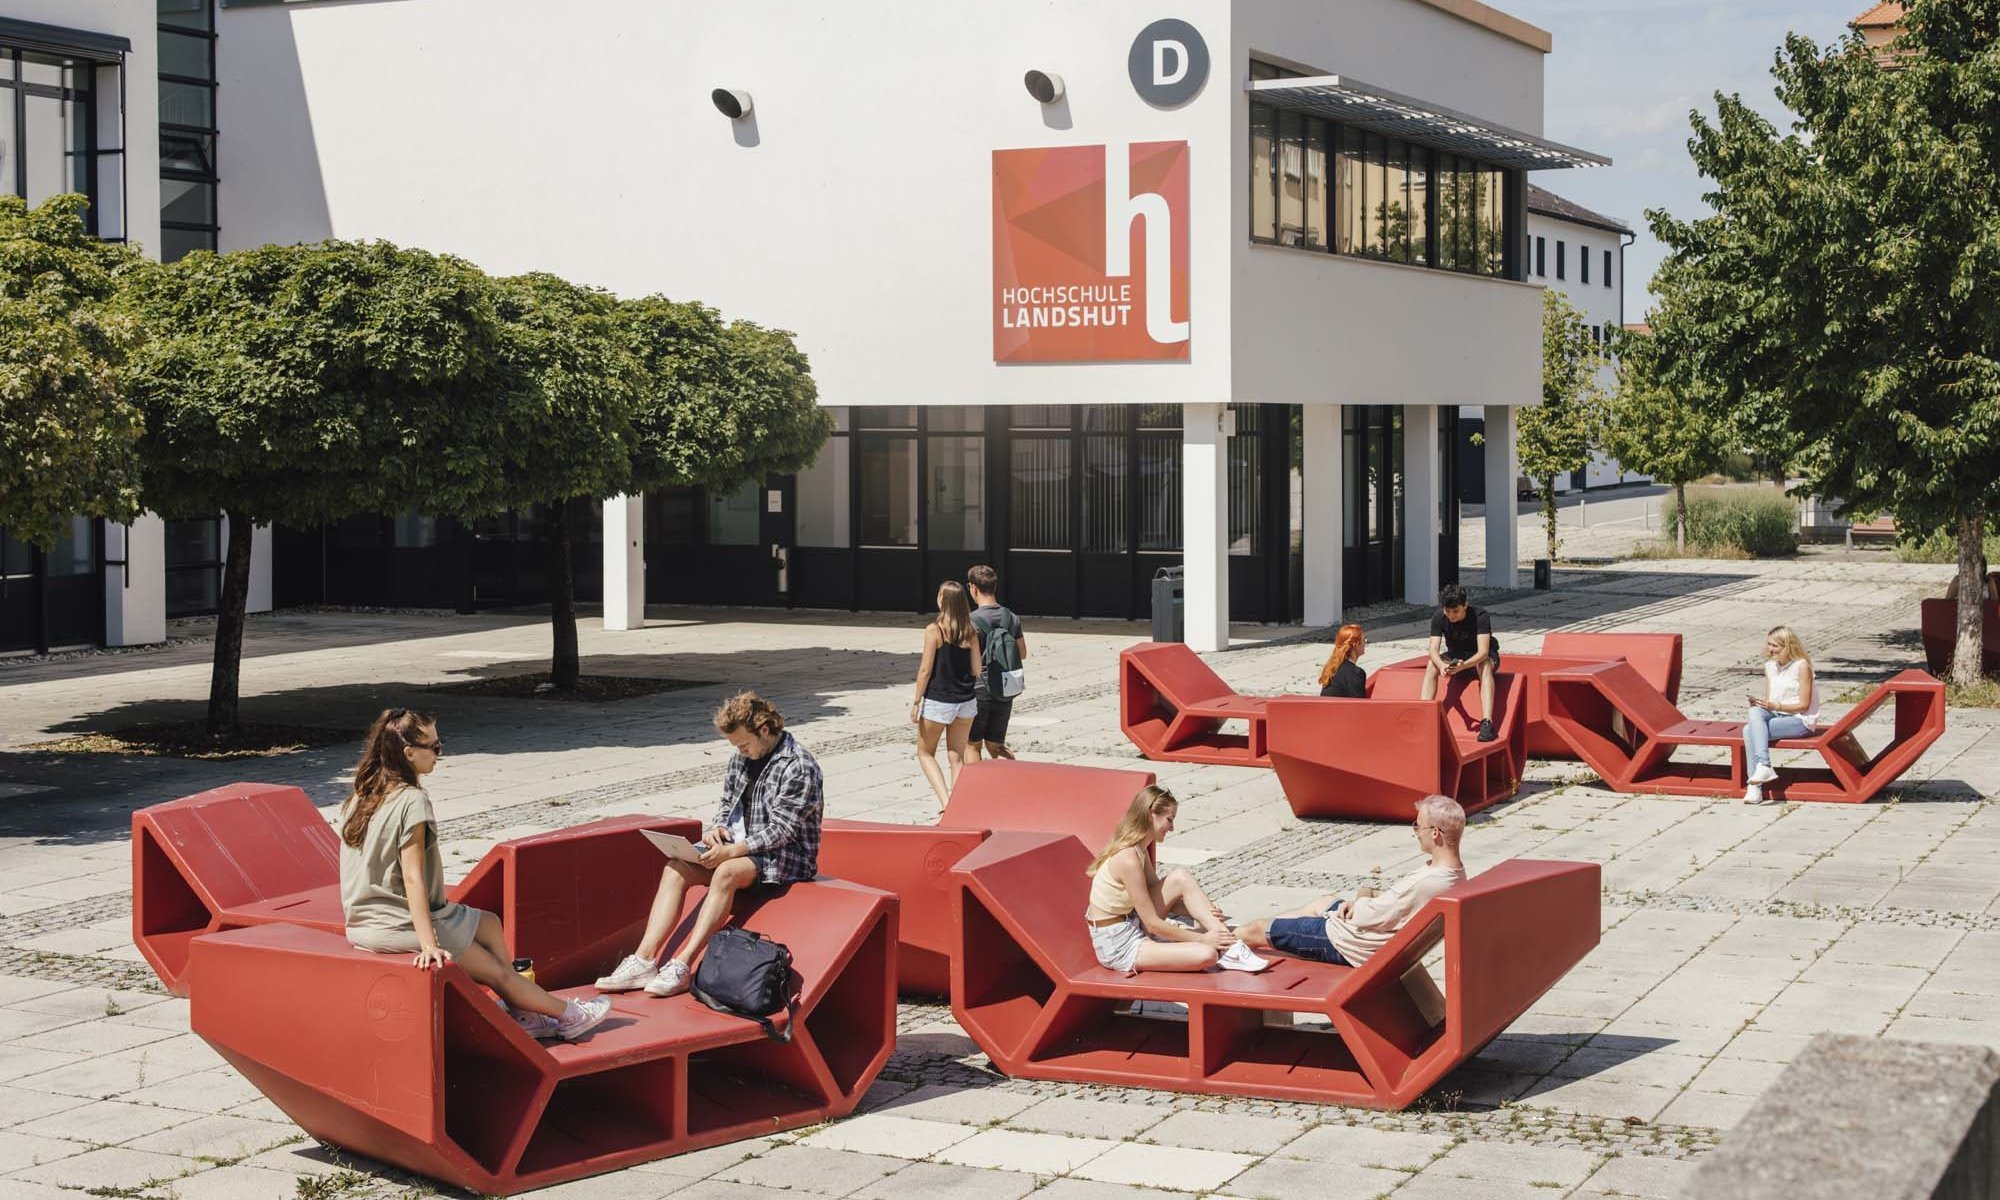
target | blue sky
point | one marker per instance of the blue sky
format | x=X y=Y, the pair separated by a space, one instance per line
x=1624 y=74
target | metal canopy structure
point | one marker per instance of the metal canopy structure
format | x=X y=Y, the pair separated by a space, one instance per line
x=1363 y=105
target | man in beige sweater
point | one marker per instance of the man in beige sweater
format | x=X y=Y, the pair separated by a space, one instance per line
x=1347 y=930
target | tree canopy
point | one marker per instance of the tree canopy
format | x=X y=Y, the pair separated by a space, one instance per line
x=1558 y=435
x=1661 y=420
x=1850 y=272
x=68 y=436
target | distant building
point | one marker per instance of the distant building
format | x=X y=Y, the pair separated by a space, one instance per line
x=1581 y=254
x=1879 y=27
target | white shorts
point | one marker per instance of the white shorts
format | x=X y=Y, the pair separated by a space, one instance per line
x=943 y=712
x=1117 y=946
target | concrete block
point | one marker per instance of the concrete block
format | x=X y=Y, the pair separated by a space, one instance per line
x=1861 y=1118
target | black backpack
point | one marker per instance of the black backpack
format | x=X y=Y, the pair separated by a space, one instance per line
x=747 y=975
x=1000 y=666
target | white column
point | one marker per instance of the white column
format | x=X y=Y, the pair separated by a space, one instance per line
x=625 y=562
x=1326 y=507
x=1205 y=524
x=259 y=598
x=135 y=595
x=1420 y=504
x=1503 y=545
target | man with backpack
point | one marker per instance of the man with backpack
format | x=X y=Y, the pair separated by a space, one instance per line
x=1002 y=675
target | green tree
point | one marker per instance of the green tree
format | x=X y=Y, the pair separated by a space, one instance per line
x=307 y=384
x=1661 y=421
x=566 y=433
x=1558 y=435
x=1860 y=255
x=68 y=436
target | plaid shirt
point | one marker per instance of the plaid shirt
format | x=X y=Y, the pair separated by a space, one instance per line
x=781 y=815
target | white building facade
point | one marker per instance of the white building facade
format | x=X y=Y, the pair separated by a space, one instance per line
x=1085 y=288
x=1581 y=254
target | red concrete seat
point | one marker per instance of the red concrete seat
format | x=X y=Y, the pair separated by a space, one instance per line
x=1173 y=708
x=915 y=861
x=1938 y=626
x=1656 y=656
x=245 y=854
x=425 y=1070
x=1627 y=733
x=1026 y=986
x=1374 y=758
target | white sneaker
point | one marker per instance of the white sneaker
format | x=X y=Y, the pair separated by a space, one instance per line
x=1763 y=774
x=631 y=975
x=537 y=1025
x=581 y=1017
x=672 y=980
x=1754 y=795
x=1239 y=957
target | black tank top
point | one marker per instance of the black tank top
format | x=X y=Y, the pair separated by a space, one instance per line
x=951 y=675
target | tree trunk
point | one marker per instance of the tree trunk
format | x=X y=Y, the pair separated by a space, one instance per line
x=564 y=666
x=1548 y=483
x=1681 y=518
x=1967 y=655
x=225 y=679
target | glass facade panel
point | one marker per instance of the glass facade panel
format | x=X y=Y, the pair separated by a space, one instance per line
x=888 y=491
x=822 y=497
x=1291 y=180
x=413 y=530
x=1104 y=418
x=967 y=420
x=733 y=515
x=1420 y=188
x=182 y=200
x=1396 y=203
x=1263 y=186
x=198 y=540
x=176 y=244
x=1246 y=493
x=187 y=14
x=957 y=493
x=17 y=558
x=1160 y=416
x=51 y=126
x=187 y=104
x=191 y=593
x=670 y=516
x=1351 y=197
x=1159 y=493
x=902 y=416
x=187 y=152
x=75 y=551
x=1104 y=477
x=1315 y=184
x=44 y=69
x=1038 y=493
x=1038 y=416
x=182 y=54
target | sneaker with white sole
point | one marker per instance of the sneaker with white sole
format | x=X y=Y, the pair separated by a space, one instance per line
x=672 y=980
x=1763 y=774
x=630 y=975
x=1239 y=957
x=581 y=1017
x=537 y=1025
x=1754 y=795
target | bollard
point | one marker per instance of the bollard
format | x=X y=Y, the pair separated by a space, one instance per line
x=1544 y=575
x=1169 y=605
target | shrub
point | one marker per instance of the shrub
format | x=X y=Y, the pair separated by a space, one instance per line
x=1942 y=547
x=1758 y=523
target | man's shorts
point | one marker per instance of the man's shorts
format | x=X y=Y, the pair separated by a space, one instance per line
x=1305 y=937
x=989 y=724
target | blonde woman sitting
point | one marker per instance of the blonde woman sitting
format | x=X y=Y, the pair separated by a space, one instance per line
x=1132 y=905
x=1789 y=707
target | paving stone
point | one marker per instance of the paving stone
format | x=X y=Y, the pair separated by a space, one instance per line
x=113 y=1167
x=19 y=1105
x=882 y=1133
x=970 y=1106
x=1289 y=1178
x=217 y=1137
x=104 y=1122
x=1347 y=1145
x=1522 y=1164
x=942 y=1179
x=1012 y=1150
x=805 y=1169
x=19 y=1150
x=1086 y=1118
x=1642 y=1175
x=1171 y=1167
x=1239 y=1132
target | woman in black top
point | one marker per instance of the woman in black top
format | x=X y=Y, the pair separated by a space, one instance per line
x=1340 y=676
x=947 y=684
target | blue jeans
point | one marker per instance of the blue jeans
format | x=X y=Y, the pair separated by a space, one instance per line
x=1305 y=937
x=1764 y=727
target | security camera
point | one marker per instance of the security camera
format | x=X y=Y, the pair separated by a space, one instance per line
x=731 y=103
x=1044 y=87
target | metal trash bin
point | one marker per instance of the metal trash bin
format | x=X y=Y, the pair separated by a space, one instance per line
x=1170 y=604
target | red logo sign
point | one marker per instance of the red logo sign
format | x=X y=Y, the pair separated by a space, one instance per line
x=1090 y=253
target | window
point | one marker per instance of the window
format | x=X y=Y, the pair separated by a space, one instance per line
x=194 y=566
x=955 y=495
x=1559 y=259
x=1245 y=480
x=1419 y=205
x=1607 y=268
x=46 y=127
x=1583 y=262
x=413 y=531
x=821 y=493
x=1038 y=477
x=733 y=516
x=1104 y=478
x=1263 y=168
x=1542 y=257
x=187 y=127
x=1291 y=180
x=1316 y=194
x=670 y=516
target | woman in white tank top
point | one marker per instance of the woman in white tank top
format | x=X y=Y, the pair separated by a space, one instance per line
x=1789 y=708
x=1131 y=909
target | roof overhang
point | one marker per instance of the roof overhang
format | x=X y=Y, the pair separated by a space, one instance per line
x=1351 y=102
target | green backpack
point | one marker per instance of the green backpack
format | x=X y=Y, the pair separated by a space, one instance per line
x=1000 y=664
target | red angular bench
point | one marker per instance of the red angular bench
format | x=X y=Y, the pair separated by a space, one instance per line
x=1373 y=759
x=1026 y=986
x=1628 y=733
x=245 y=854
x=1657 y=657
x=1938 y=626
x=425 y=1070
x=1173 y=706
x=915 y=861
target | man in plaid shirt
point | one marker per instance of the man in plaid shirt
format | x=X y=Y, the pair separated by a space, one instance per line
x=765 y=834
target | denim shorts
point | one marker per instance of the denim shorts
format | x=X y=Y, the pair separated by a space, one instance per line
x=1305 y=937
x=944 y=712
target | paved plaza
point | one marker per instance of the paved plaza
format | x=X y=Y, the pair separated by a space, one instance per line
x=1732 y=933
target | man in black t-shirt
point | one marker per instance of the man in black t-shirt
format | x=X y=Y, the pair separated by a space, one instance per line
x=989 y=721
x=1462 y=640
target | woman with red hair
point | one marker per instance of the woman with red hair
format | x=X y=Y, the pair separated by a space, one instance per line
x=1340 y=676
